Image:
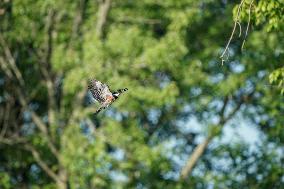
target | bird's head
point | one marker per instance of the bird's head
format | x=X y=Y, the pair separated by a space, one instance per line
x=116 y=94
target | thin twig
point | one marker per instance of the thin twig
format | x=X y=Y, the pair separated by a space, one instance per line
x=237 y=22
x=240 y=33
x=243 y=44
x=233 y=32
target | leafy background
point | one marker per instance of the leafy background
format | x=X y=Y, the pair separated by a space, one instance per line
x=180 y=97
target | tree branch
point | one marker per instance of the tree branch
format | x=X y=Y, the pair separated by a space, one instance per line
x=12 y=140
x=6 y=116
x=104 y=8
x=10 y=62
x=5 y=68
x=233 y=32
x=196 y=154
x=79 y=18
x=46 y=67
x=237 y=22
x=20 y=90
x=199 y=150
x=35 y=154
x=225 y=103
x=41 y=162
x=244 y=41
x=39 y=123
x=80 y=112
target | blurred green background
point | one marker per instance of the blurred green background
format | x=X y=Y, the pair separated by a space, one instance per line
x=185 y=122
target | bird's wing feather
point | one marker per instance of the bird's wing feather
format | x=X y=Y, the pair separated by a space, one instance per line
x=99 y=90
x=105 y=91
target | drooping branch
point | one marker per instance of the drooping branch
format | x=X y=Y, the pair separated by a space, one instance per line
x=237 y=23
x=233 y=32
x=248 y=24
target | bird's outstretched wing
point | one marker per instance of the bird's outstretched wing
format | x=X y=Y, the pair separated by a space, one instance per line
x=100 y=109
x=99 y=90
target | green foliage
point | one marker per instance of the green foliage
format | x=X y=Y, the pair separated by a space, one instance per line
x=5 y=180
x=270 y=13
x=277 y=77
x=166 y=54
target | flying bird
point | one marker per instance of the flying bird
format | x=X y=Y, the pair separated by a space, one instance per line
x=102 y=93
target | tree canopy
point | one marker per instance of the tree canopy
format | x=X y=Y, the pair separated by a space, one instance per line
x=168 y=130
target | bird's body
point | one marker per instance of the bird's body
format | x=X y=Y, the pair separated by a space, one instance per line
x=102 y=93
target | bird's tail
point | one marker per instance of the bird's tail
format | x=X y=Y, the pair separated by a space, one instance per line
x=122 y=90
